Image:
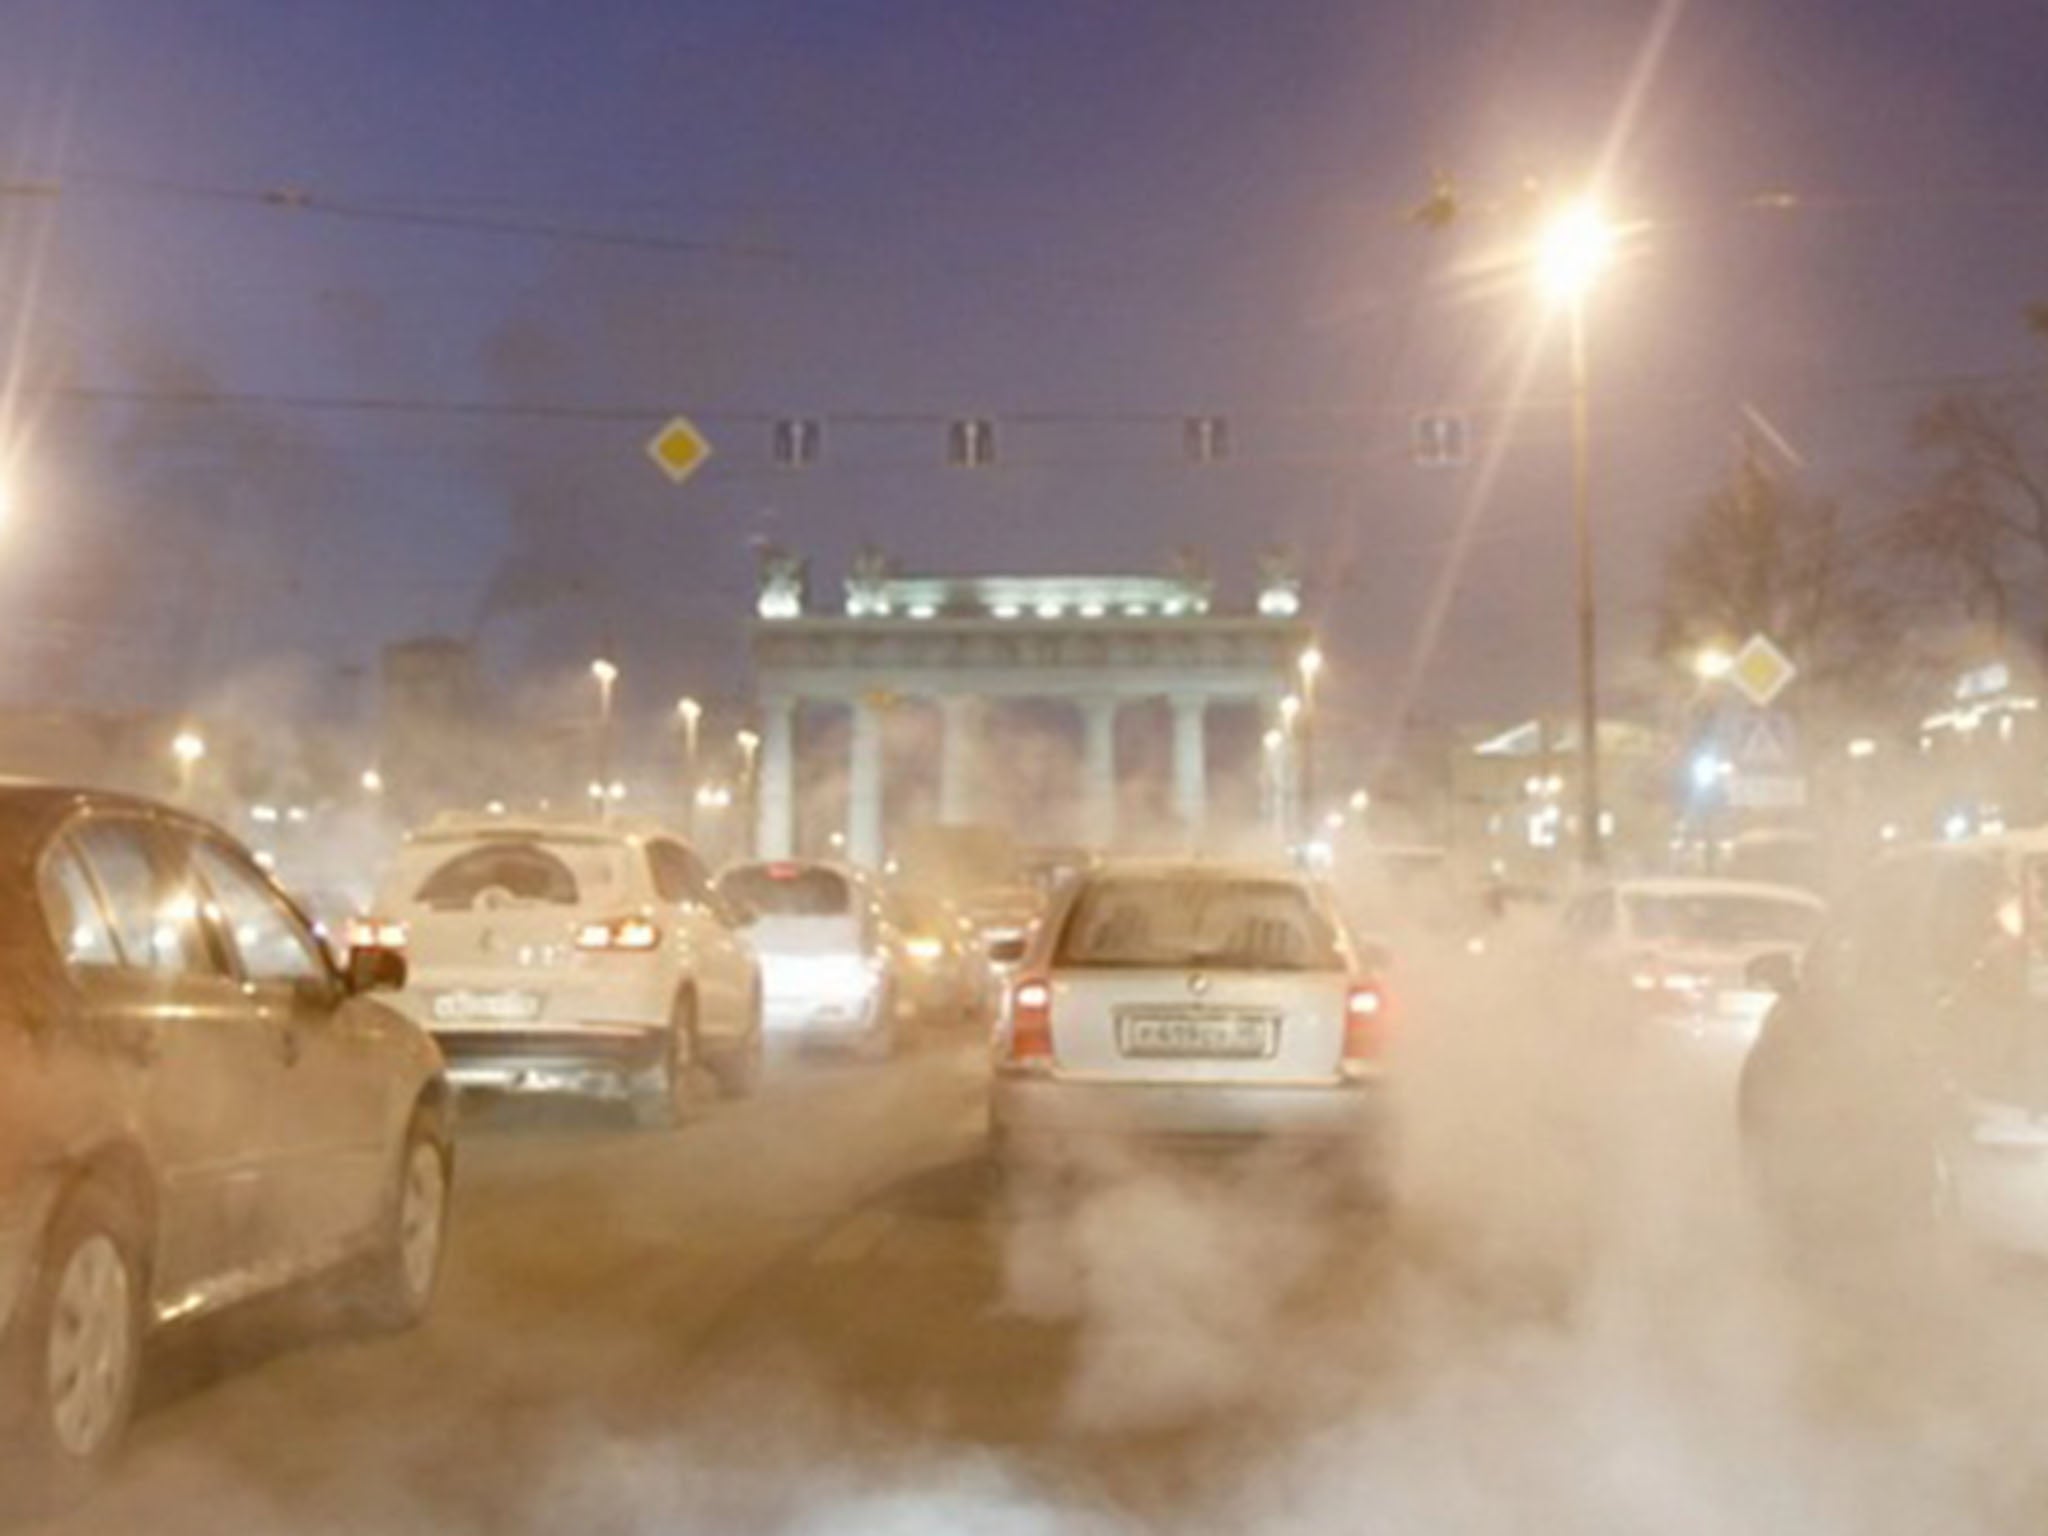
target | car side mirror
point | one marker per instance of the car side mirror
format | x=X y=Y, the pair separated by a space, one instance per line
x=375 y=970
x=1777 y=972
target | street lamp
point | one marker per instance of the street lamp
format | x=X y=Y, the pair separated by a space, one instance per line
x=607 y=674
x=1574 y=250
x=1310 y=664
x=1712 y=664
x=372 y=782
x=691 y=713
x=750 y=752
x=187 y=748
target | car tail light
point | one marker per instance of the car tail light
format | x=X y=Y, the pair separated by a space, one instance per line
x=627 y=934
x=375 y=933
x=1365 y=1021
x=1031 y=1023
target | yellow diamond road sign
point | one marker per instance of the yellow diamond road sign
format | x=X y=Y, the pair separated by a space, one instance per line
x=679 y=449
x=1761 y=671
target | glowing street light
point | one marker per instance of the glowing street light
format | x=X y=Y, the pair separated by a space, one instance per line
x=372 y=782
x=606 y=672
x=1712 y=664
x=1290 y=711
x=750 y=746
x=187 y=748
x=1311 y=664
x=1361 y=801
x=1572 y=252
x=1575 y=248
x=691 y=713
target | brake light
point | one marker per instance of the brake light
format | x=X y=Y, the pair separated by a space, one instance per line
x=628 y=934
x=375 y=933
x=1031 y=1022
x=1365 y=1021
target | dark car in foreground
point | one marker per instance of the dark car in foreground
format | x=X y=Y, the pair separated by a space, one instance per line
x=1899 y=1087
x=196 y=1106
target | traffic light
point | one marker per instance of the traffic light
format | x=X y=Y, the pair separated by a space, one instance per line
x=1206 y=439
x=971 y=443
x=1441 y=441
x=796 y=441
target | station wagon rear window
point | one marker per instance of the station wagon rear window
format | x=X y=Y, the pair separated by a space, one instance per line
x=1207 y=923
x=788 y=890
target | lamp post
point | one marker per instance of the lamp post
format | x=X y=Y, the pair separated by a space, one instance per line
x=1575 y=249
x=187 y=748
x=1274 y=746
x=691 y=713
x=607 y=674
x=1310 y=665
x=750 y=753
x=1291 y=709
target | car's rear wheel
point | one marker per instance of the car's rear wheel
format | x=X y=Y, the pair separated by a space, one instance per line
x=76 y=1352
x=663 y=1103
x=406 y=1270
x=885 y=1038
x=738 y=1072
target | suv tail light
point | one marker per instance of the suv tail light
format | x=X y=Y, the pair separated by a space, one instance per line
x=1031 y=1023
x=1365 y=1022
x=619 y=934
x=375 y=933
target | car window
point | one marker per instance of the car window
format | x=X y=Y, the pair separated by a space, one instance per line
x=789 y=890
x=1215 y=923
x=155 y=923
x=1963 y=918
x=515 y=872
x=679 y=875
x=1721 y=918
x=71 y=907
x=671 y=872
x=268 y=938
x=1888 y=936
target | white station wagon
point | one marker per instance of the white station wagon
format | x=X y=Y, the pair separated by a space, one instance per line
x=1193 y=1002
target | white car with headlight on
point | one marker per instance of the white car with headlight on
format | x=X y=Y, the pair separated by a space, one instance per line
x=582 y=958
x=1687 y=947
x=832 y=964
x=1194 y=1003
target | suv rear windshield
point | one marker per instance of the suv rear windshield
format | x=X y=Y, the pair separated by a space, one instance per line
x=788 y=890
x=1207 y=922
x=1716 y=919
x=516 y=872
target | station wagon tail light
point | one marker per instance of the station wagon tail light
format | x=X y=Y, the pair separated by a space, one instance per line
x=1365 y=1021
x=1031 y=1023
x=632 y=935
x=375 y=933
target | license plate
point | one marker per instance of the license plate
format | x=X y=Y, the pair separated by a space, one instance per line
x=1232 y=1036
x=466 y=1007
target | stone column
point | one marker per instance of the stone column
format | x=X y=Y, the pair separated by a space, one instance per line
x=1191 y=765
x=864 y=787
x=1098 y=771
x=775 y=824
x=959 y=739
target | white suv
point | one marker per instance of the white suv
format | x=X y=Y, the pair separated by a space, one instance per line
x=560 y=957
